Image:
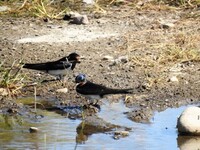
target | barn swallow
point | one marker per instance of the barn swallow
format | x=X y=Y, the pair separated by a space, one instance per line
x=57 y=68
x=94 y=91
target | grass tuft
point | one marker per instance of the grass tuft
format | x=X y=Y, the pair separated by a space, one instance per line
x=179 y=55
x=11 y=79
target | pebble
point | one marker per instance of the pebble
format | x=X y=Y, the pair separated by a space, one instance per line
x=80 y=19
x=188 y=122
x=89 y=2
x=33 y=129
x=121 y=59
x=63 y=90
x=167 y=25
x=118 y=134
x=3 y=92
x=173 y=79
x=109 y=58
x=122 y=133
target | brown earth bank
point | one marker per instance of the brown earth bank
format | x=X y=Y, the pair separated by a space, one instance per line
x=154 y=51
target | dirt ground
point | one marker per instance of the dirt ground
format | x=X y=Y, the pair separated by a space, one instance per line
x=155 y=51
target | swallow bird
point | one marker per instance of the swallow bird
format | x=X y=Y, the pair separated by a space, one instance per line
x=57 y=68
x=94 y=91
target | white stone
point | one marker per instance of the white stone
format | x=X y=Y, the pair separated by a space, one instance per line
x=122 y=133
x=173 y=79
x=33 y=129
x=123 y=59
x=89 y=2
x=189 y=121
x=63 y=90
x=167 y=25
x=80 y=19
x=107 y=57
x=3 y=92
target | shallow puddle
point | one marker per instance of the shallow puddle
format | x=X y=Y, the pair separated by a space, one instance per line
x=58 y=132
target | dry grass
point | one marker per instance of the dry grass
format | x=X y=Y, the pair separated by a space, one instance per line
x=57 y=9
x=177 y=55
x=11 y=79
x=39 y=8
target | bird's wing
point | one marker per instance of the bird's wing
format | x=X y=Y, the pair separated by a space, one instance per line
x=38 y=66
x=90 y=88
x=48 y=66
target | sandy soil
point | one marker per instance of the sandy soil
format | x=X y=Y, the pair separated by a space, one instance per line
x=145 y=46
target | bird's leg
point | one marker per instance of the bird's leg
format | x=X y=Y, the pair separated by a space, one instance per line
x=96 y=102
x=59 y=77
x=93 y=103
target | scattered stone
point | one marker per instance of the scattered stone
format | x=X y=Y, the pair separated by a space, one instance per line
x=80 y=19
x=177 y=68
x=188 y=122
x=109 y=58
x=4 y=8
x=121 y=133
x=173 y=79
x=89 y=2
x=63 y=90
x=12 y=110
x=101 y=21
x=142 y=115
x=3 y=92
x=167 y=25
x=94 y=124
x=33 y=129
x=121 y=59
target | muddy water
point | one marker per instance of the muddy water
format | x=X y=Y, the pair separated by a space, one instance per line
x=59 y=132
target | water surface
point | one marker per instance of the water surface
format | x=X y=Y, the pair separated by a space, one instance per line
x=58 y=132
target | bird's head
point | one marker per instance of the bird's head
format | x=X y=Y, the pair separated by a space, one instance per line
x=73 y=57
x=80 y=78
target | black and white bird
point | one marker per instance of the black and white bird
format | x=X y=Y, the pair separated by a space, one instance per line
x=58 y=68
x=94 y=91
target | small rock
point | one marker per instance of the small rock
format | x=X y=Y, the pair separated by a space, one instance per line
x=173 y=79
x=116 y=137
x=63 y=90
x=33 y=129
x=3 y=92
x=89 y=2
x=121 y=59
x=107 y=57
x=121 y=133
x=12 y=110
x=189 y=121
x=167 y=25
x=80 y=19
